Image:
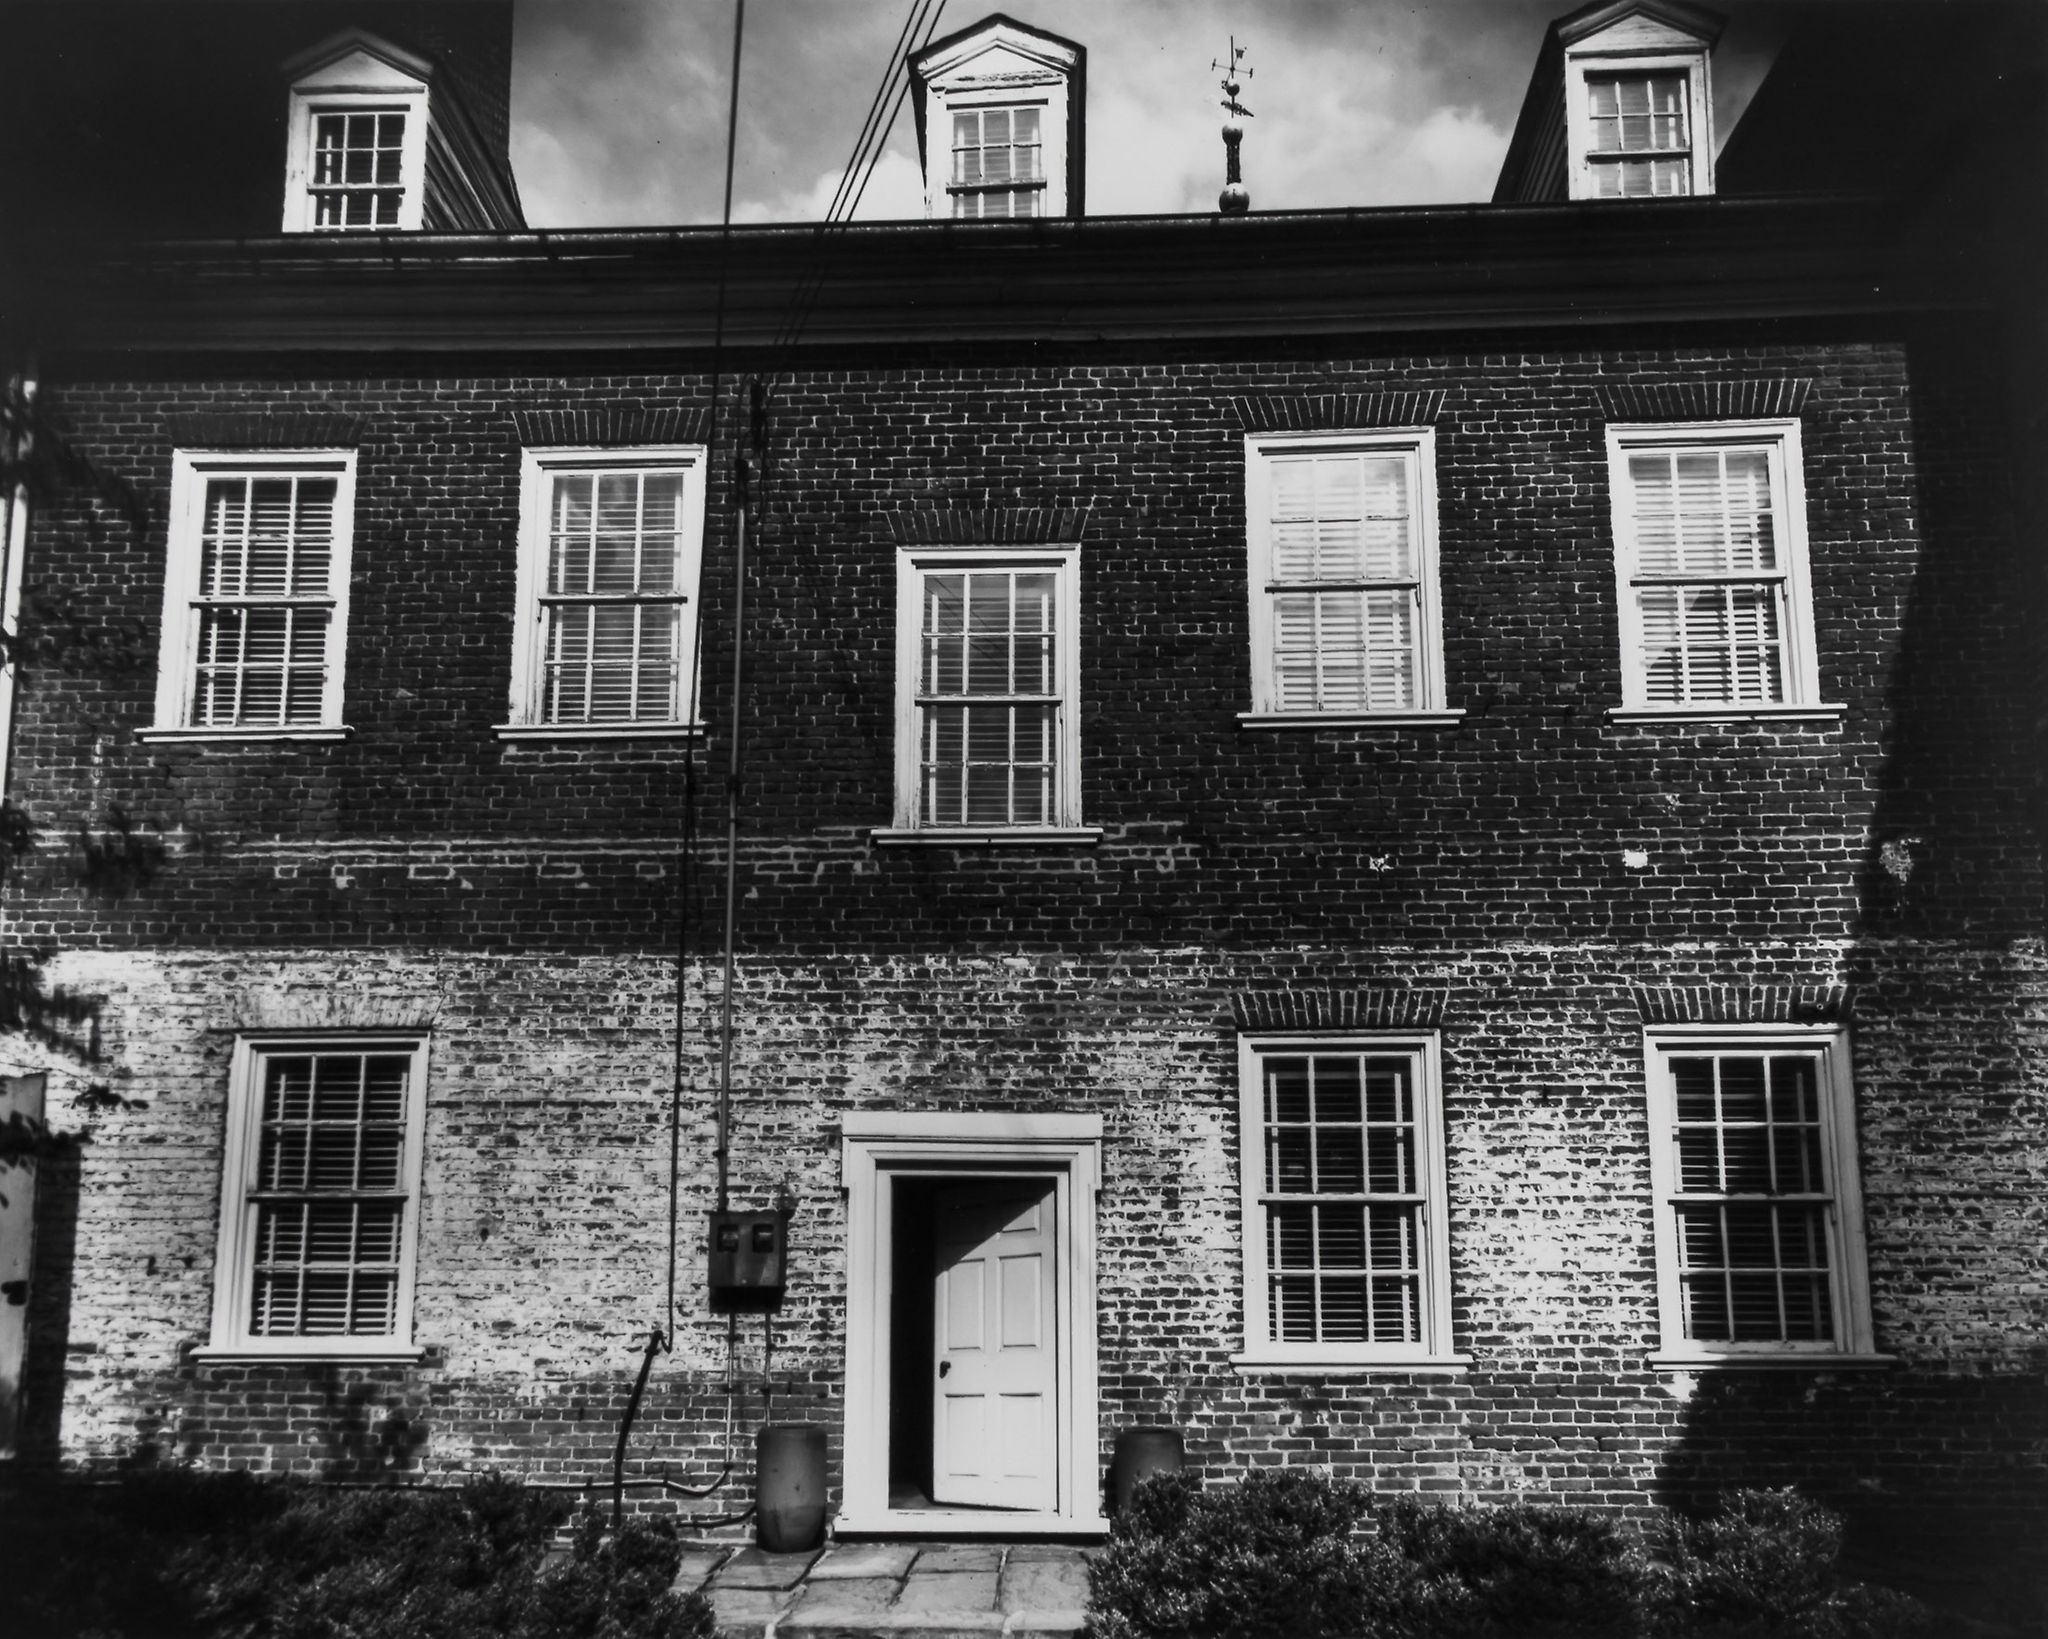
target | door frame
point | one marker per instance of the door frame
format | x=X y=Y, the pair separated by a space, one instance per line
x=875 y=1147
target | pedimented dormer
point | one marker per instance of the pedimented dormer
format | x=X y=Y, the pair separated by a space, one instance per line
x=1620 y=106
x=378 y=142
x=999 y=121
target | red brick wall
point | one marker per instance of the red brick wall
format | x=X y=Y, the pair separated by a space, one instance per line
x=519 y=904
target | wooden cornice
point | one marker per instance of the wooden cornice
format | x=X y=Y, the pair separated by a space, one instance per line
x=894 y=284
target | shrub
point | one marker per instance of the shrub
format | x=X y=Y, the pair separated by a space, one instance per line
x=1765 y=1563
x=1274 y=1557
x=166 y=1556
x=1525 y=1569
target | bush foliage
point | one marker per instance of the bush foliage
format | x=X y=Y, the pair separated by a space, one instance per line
x=1292 y=1552
x=189 y=1556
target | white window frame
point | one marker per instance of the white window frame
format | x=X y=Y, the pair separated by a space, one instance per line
x=1696 y=68
x=1418 y=444
x=1433 y=1351
x=1851 y=1344
x=357 y=83
x=1800 y=659
x=538 y=469
x=234 y=1268
x=177 y=652
x=912 y=565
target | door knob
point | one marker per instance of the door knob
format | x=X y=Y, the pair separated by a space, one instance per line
x=944 y=1367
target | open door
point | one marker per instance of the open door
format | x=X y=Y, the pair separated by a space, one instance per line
x=995 y=1406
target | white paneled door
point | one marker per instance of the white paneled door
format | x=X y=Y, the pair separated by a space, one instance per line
x=995 y=1407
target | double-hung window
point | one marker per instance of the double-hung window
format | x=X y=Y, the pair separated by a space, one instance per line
x=1342 y=568
x=611 y=551
x=1710 y=555
x=1639 y=131
x=998 y=162
x=1759 y=1218
x=1345 y=1256
x=358 y=179
x=320 y=1197
x=256 y=595
x=988 y=679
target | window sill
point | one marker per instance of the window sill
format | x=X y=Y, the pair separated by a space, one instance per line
x=598 y=731
x=383 y=1354
x=1348 y=719
x=1728 y=714
x=1009 y=836
x=1253 y=1365
x=1783 y=1360
x=206 y=736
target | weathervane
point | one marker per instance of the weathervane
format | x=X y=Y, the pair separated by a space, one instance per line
x=1234 y=200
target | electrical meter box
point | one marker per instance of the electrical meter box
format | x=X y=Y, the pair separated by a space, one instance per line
x=749 y=1254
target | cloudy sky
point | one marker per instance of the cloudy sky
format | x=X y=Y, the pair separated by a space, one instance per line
x=619 y=106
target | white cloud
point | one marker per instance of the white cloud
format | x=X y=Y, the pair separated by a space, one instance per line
x=894 y=192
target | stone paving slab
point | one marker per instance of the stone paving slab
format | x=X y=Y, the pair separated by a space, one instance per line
x=893 y=1590
x=855 y=1597
x=960 y=1556
x=948 y=1590
x=1044 y=1584
x=752 y=1568
x=746 y=1613
x=697 y=1566
x=862 y=1559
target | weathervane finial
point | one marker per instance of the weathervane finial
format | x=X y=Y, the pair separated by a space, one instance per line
x=1235 y=200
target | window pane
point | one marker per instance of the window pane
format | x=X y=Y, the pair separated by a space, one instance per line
x=1346 y=1264
x=358 y=169
x=1754 y=1267
x=329 y=1220
x=989 y=634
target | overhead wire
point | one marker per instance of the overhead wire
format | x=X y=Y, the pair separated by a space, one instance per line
x=661 y=1338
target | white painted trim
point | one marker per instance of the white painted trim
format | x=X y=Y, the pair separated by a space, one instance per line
x=912 y=564
x=598 y=731
x=1850 y=1287
x=235 y=1249
x=177 y=657
x=1418 y=444
x=537 y=468
x=358 y=82
x=14 y=543
x=1823 y=713
x=208 y=736
x=1695 y=64
x=1024 y=836
x=1819 y=1360
x=1247 y=1365
x=1779 y=438
x=1435 y=1349
x=1339 y=719
x=877 y=1146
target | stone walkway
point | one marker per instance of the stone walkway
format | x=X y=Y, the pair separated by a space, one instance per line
x=917 y=1590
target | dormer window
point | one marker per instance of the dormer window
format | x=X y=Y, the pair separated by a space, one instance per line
x=998 y=162
x=999 y=122
x=1637 y=129
x=1620 y=107
x=358 y=170
x=356 y=155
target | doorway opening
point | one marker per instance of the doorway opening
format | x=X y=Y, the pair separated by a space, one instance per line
x=973 y=1342
x=970 y=1383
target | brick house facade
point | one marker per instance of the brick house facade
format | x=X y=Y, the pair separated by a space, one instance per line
x=1517 y=903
